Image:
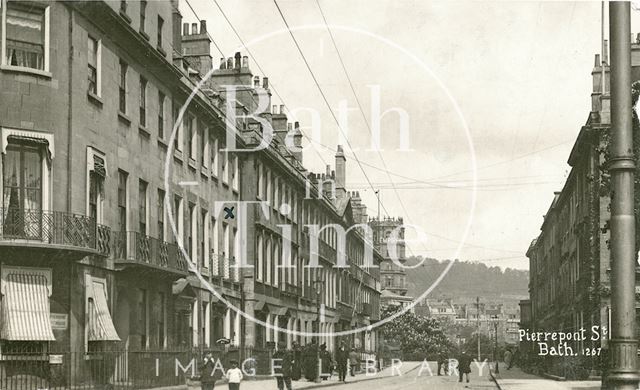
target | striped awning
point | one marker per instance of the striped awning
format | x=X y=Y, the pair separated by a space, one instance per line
x=25 y=307
x=34 y=136
x=100 y=323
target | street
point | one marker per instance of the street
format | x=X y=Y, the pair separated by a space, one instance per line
x=413 y=379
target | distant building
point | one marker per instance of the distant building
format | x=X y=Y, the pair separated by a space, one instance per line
x=389 y=233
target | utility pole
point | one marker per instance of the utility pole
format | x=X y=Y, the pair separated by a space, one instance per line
x=495 y=347
x=623 y=374
x=378 y=196
x=478 y=324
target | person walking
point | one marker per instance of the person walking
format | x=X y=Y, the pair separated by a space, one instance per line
x=508 y=359
x=234 y=376
x=296 y=371
x=208 y=373
x=342 y=358
x=464 y=366
x=282 y=367
x=327 y=364
x=443 y=360
x=353 y=361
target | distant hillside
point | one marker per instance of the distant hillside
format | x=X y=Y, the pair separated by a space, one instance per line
x=466 y=279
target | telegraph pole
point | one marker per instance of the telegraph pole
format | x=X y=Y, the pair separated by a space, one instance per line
x=623 y=374
x=478 y=324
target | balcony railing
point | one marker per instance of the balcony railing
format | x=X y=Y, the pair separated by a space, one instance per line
x=137 y=248
x=54 y=228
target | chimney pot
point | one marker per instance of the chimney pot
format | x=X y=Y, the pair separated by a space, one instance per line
x=256 y=81
x=282 y=108
x=605 y=54
x=296 y=125
x=203 y=27
x=328 y=170
x=274 y=109
x=289 y=126
x=597 y=60
x=229 y=63
x=265 y=82
x=238 y=59
x=194 y=28
x=185 y=29
x=638 y=38
x=245 y=62
x=223 y=63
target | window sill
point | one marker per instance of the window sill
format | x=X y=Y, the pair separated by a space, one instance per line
x=192 y=163
x=177 y=155
x=143 y=131
x=144 y=35
x=225 y=184
x=161 y=51
x=95 y=99
x=124 y=118
x=124 y=16
x=204 y=172
x=22 y=69
x=162 y=144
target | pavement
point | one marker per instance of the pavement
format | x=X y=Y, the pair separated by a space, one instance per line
x=516 y=379
x=408 y=376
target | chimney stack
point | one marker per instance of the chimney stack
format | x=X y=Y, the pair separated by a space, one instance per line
x=203 y=27
x=176 y=19
x=238 y=60
x=341 y=172
x=194 y=28
x=297 y=142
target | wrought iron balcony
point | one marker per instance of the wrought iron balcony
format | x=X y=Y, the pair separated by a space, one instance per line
x=52 y=234
x=133 y=249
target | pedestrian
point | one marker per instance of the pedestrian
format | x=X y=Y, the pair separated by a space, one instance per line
x=353 y=361
x=282 y=367
x=296 y=371
x=342 y=358
x=443 y=360
x=508 y=358
x=326 y=363
x=208 y=372
x=464 y=366
x=234 y=376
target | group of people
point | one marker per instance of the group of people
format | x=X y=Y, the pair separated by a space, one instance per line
x=288 y=365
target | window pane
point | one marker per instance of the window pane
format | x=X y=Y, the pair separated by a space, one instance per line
x=25 y=36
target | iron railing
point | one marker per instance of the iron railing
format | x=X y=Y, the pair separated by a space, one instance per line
x=139 y=248
x=55 y=228
x=119 y=369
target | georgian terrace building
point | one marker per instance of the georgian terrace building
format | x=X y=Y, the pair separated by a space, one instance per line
x=88 y=260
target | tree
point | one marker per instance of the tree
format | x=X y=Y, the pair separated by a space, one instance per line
x=418 y=337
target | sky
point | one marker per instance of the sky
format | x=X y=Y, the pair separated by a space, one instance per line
x=502 y=87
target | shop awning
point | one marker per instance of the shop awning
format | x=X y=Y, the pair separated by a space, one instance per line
x=270 y=308
x=25 y=308
x=100 y=323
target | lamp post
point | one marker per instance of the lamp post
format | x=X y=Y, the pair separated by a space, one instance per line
x=317 y=285
x=623 y=374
